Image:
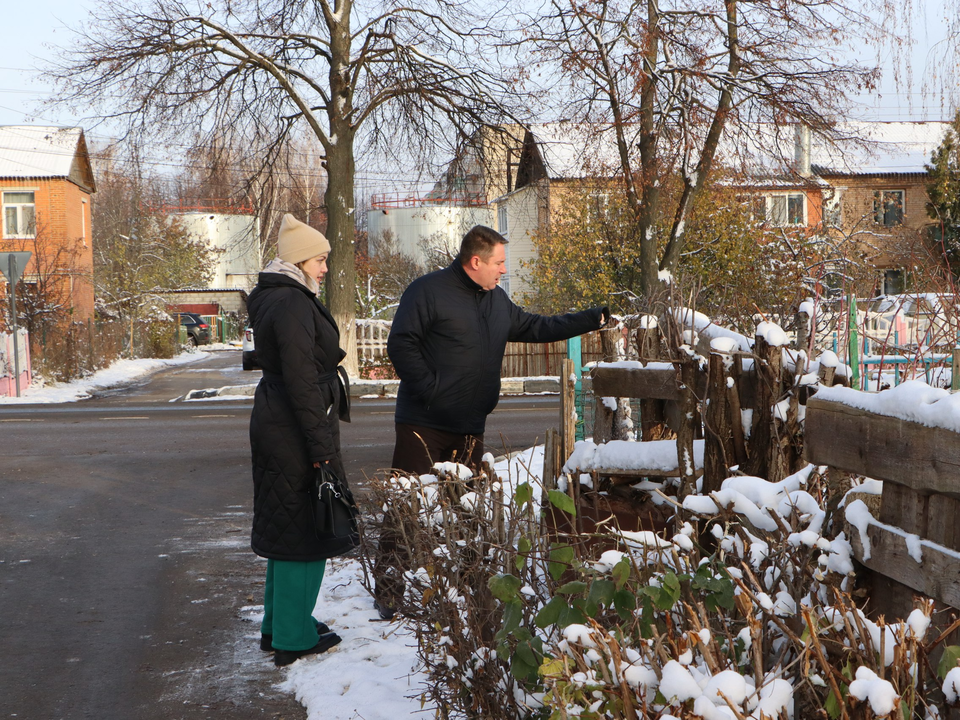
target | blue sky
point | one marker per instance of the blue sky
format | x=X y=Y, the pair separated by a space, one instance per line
x=39 y=24
x=29 y=26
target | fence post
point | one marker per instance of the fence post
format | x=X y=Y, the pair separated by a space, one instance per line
x=648 y=350
x=853 y=343
x=955 y=370
x=718 y=440
x=575 y=355
x=568 y=410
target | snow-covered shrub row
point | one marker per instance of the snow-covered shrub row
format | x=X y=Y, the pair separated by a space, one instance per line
x=746 y=611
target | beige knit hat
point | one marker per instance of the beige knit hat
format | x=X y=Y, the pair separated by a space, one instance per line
x=298 y=241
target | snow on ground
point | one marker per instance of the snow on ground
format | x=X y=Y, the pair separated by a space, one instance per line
x=373 y=674
x=120 y=372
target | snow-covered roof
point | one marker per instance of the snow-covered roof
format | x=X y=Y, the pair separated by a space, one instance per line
x=868 y=148
x=895 y=147
x=29 y=151
x=772 y=154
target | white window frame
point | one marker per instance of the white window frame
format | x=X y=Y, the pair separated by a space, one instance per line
x=785 y=198
x=503 y=220
x=19 y=207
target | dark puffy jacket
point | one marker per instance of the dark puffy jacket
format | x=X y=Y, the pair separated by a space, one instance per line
x=447 y=344
x=295 y=415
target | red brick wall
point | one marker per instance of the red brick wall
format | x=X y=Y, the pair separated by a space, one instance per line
x=63 y=246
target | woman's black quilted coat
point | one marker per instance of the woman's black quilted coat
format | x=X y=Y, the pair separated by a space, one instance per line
x=295 y=420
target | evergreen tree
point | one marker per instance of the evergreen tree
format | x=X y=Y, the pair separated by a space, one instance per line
x=944 y=193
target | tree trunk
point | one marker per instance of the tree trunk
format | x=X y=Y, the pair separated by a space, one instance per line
x=341 y=279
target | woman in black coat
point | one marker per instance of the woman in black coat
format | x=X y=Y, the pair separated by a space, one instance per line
x=294 y=428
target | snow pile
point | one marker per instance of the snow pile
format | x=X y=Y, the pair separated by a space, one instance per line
x=657 y=456
x=119 y=373
x=373 y=673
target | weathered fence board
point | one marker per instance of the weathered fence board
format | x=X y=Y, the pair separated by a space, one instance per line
x=889 y=556
x=924 y=459
x=920 y=470
x=534 y=359
x=651 y=383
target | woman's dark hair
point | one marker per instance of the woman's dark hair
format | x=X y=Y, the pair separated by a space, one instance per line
x=480 y=241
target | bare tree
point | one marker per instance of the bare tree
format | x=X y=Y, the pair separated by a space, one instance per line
x=139 y=250
x=44 y=297
x=225 y=172
x=671 y=82
x=263 y=68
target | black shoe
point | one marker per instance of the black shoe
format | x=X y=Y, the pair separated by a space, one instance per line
x=285 y=657
x=385 y=611
x=266 y=641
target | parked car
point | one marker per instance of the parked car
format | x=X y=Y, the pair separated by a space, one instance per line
x=249 y=358
x=198 y=332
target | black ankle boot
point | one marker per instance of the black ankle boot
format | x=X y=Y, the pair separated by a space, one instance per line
x=285 y=657
x=266 y=641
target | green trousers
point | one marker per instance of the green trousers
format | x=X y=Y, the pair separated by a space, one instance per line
x=289 y=597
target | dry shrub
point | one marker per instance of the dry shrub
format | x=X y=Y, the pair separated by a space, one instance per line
x=728 y=618
x=68 y=351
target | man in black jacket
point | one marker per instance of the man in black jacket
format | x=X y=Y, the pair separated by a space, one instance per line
x=447 y=343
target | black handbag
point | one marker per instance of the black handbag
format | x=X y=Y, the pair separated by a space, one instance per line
x=335 y=514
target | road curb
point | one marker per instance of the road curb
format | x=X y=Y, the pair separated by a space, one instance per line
x=386 y=388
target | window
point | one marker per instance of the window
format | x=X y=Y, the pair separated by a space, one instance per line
x=893 y=283
x=19 y=218
x=786 y=209
x=888 y=207
x=833 y=208
x=598 y=207
x=502 y=220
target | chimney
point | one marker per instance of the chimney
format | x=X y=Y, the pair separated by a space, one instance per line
x=801 y=150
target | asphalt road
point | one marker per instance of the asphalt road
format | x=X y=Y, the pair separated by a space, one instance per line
x=127 y=586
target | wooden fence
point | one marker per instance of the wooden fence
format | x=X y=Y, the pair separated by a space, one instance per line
x=681 y=399
x=536 y=359
x=920 y=470
x=519 y=359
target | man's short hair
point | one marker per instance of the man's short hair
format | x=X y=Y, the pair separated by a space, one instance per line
x=480 y=241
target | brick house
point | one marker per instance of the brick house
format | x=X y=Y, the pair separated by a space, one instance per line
x=46 y=181
x=880 y=193
x=872 y=191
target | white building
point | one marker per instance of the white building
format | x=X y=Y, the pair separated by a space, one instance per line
x=417 y=224
x=238 y=236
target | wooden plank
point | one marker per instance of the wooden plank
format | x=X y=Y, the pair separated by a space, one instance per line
x=568 y=408
x=926 y=459
x=648 y=383
x=937 y=577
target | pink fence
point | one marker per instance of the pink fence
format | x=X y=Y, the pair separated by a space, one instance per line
x=8 y=380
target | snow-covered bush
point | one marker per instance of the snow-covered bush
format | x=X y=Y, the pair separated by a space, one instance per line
x=747 y=611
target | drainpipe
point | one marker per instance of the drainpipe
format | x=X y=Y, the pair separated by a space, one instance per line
x=801 y=150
